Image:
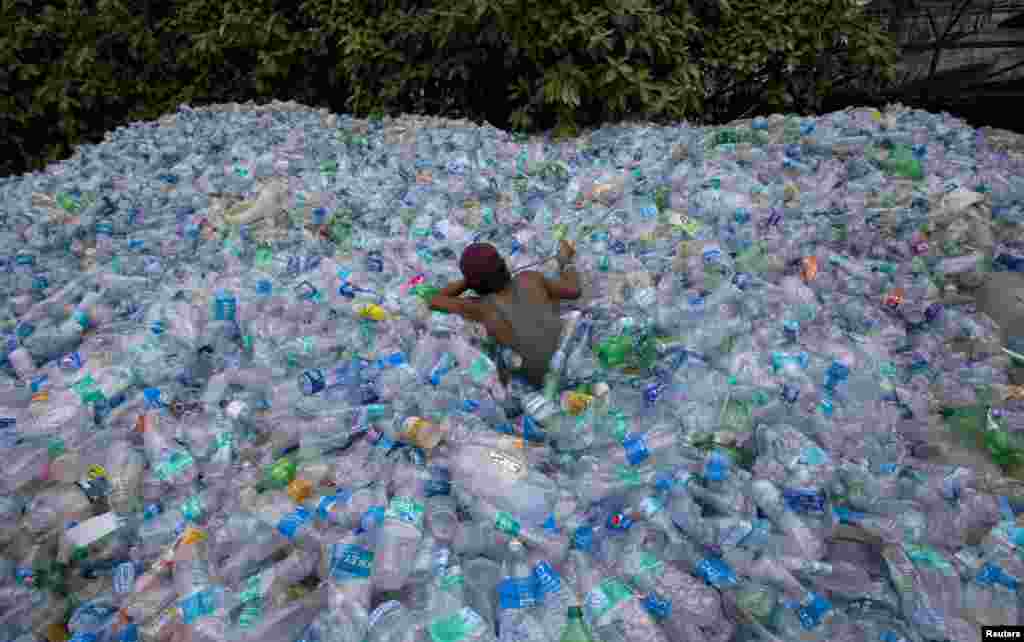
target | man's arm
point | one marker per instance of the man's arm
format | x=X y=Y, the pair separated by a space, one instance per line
x=567 y=286
x=447 y=300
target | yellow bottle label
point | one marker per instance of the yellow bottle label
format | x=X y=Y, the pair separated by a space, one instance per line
x=416 y=431
x=373 y=312
x=192 y=535
x=575 y=403
x=300 y=490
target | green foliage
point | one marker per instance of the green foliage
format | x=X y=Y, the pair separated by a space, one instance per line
x=520 y=64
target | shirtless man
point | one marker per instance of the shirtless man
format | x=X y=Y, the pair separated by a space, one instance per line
x=520 y=312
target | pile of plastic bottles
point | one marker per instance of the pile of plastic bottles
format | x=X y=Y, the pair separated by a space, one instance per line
x=227 y=412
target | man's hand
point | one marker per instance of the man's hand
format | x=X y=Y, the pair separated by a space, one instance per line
x=448 y=300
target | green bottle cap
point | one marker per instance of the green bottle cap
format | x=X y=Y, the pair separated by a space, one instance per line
x=575 y=612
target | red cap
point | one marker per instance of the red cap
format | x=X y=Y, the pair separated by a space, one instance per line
x=479 y=261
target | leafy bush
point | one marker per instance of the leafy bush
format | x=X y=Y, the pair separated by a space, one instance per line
x=521 y=64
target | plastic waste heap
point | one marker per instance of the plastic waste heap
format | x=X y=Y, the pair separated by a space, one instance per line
x=228 y=413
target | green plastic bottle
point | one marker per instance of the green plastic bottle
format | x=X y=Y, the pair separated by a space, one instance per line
x=575 y=630
x=615 y=351
x=279 y=474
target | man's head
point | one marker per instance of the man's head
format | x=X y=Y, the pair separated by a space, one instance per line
x=484 y=269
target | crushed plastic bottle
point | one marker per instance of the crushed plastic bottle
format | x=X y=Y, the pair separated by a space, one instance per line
x=230 y=414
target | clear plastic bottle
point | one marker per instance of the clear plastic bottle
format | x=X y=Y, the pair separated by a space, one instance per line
x=349 y=566
x=401 y=531
x=124 y=465
x=517 y=614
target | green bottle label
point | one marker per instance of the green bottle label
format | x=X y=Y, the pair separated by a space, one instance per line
x=405 y=509
x=628 y=476
x=505 y=523
x=252 y=589
x=177 y=462
x=459 y=626
x=608 y=594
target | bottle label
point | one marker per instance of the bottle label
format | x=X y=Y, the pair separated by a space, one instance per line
x=659 y=608
x=414 y=429
x=628 y=476
x=82 y=319
x=252 y=588
x=619 y=522
x=439 y=483
x=608 y=594
x=197 y=605
x=225 y=308
x=619 y=424
x=250 y=614
x=507 y=524
x=349 y=560
x=547 y=579
x=516 y=593
x=372 y=518
x=124 y=578
x=636 y=449
x=927 y=556
x=583 y=538
x=650 y=506
x=992 y=575
x=716 y=572
x=293 y=522
x=465 y=624
x=649 y=564
x=328 y=502
x=128 y=633
x=482 y=369
x=804 y=500
x=454 y=580
x=716 y=468
x=174 y=464
x=812 y=613
x=192 y=509
x=405 y=509
x=847 y=516
x=532 y=431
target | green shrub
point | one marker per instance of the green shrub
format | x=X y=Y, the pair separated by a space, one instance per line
x=524 y=65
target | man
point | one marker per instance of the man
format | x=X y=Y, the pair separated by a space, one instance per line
x=519 y=312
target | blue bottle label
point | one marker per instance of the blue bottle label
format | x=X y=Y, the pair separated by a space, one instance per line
x=811 y=614
x=440 y=482
x=550 y=525
x=659 y=608
x=847 y=516
x=517 y=593
x=328 y=502
x=293 y=522
x=804 y=500
x=547 y=578
x=531 y=430
x=583 y=538
x=993 y=575
x=636 y=448
x=350 y=560
x=313 y=381
x=717 y=466
x=225 y=308
x=372 y=518
x=197 y=605
x=128 y=633
x=716 y=572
